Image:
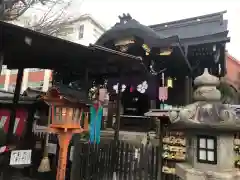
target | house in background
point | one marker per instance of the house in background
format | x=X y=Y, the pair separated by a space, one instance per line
x=233 y=72
x=83 y=30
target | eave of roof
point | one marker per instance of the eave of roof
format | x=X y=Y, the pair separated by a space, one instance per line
x=24 y=48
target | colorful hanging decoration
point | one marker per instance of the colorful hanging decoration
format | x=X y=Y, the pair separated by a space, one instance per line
x=95 y=123
x=131 y=89
x=102 y=94
x=163 y=93
x=147 y=49
x=169 y=82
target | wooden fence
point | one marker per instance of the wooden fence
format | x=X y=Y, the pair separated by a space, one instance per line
x=123 y=161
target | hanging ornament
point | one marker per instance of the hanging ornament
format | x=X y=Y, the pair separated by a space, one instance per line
x=131 y=89
x=115 y=87
x=102 y=94
x=169 y=83
x=142 y=87
x=146 y=48
x=96 y=111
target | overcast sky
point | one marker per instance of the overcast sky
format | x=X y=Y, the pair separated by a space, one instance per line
x=159 y=11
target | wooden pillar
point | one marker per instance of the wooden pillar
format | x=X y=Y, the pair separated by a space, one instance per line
x=15 y=103
x=188 y=90
x=64 y=140
x=118 y=110
x=86 y=81
x=1 y=49
x=111 y=109
x=1 y=62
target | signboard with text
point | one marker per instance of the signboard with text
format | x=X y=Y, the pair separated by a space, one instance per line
x=21 y=157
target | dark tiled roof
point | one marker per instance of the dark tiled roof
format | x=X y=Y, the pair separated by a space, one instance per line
x=73 y=94
x=199 y=26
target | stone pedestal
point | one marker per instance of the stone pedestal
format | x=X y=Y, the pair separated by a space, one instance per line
x=187 y=172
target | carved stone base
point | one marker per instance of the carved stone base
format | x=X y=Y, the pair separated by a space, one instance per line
x=186 y=172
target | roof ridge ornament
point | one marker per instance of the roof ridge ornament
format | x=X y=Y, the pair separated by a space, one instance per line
x=125 y=18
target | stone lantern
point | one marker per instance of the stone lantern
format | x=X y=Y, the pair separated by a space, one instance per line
x=210 y=127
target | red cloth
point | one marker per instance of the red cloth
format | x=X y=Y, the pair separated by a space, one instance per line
x=21 y=117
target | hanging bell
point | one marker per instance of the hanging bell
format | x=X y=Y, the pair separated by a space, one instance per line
x=169 y=83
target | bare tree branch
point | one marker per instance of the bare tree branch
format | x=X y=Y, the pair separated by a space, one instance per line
x=54 y=22
x=12 y=9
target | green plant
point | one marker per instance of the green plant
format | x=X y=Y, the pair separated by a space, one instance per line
x=84 y=136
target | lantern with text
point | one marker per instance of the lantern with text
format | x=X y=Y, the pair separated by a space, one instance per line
x=68 y=117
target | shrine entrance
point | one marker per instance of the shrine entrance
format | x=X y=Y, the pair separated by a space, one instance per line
x=135 y=102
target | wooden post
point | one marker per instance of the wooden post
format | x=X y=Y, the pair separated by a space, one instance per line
x=10 y=135
x=1 y=62
x=86 y=81
x=15 y=103
x=187 y=91
x=160 y=141
x=118 y=109
x=190 y=86
x=64 y=140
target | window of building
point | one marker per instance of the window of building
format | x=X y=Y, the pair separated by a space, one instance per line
x=207 y=149
x=81 y=31
x=65 y=31
x=96 y=33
